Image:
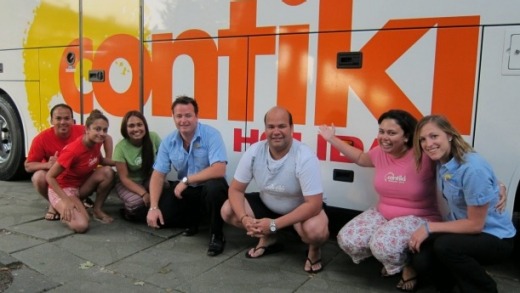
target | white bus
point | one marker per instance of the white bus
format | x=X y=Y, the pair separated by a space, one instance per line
x=330 y=61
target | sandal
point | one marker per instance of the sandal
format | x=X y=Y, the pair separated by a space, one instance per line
x=269 y=249
x=88 y=203
x=52 y=216
x=408 y=285
x=311 y=270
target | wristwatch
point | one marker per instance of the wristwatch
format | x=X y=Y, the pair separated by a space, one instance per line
x=272 y=226
x=185 y=180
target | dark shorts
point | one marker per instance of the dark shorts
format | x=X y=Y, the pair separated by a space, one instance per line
x=260 y=209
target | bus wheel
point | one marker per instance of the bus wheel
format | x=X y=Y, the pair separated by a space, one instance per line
x=12 y=146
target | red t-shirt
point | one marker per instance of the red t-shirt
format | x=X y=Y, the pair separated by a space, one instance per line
x=79 y=162
x=47 y=143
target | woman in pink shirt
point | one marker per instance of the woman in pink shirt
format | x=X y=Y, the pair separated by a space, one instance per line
x=407 y=197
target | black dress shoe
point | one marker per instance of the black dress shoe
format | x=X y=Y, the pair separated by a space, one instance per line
x=190 y=231
x=216 y=245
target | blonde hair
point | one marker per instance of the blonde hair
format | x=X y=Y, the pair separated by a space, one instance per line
x=459 y=147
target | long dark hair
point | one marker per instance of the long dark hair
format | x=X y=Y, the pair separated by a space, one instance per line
x=147 y=151
x=403 y=119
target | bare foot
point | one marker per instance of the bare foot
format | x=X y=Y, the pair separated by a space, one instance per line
x=408 y=280
x=102 y=217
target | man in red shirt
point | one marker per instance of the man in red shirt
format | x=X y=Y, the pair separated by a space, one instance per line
x=46 y=147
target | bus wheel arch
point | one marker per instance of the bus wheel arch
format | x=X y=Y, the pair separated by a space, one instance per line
x=12 y=140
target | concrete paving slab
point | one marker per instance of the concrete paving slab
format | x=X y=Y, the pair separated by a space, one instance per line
x=6 y=259
x=13 y=242
x=43 y=229
x=74 y=272
x=104 y=244
x=11 y=214
x=170 y=263
x=28 y=280
x=233 y=276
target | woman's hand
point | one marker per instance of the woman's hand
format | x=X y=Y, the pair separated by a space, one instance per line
x=502 y=199
x=417 y=238
x=327 y=132
x=68 y=209
x=146 y=199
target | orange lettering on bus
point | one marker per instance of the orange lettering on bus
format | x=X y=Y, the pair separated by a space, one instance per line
x=453 y=80
x=126 y=47
x=203 y=53
x=331 y=83
x=293 y=60
x=242 y=52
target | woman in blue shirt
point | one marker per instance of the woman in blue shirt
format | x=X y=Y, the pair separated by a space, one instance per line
x=474 y=233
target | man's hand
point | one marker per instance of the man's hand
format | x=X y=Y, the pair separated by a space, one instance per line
x=179 y=189
x=52 y=160
x=259 y=228
x=154 y=217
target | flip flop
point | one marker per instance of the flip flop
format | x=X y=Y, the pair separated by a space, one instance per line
x=88 y=203
x=311 y=270
x=52 y=216
x=402 y=283
x=269 y=249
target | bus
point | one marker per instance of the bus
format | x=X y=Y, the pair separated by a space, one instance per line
x=327 y=61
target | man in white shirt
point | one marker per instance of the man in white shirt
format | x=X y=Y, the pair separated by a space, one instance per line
x=291 y=194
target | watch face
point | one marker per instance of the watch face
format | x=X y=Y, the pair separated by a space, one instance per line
x=272 y=227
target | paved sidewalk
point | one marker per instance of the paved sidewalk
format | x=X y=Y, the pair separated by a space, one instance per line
x=44 y=256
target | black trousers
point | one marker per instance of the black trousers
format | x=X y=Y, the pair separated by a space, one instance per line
x=456 y=260
x=196 y=201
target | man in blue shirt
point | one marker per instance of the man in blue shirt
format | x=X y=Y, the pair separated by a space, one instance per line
x=197 y=153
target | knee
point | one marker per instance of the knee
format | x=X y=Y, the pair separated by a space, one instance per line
x=226 y=212
x=216 y=190
x=315 y=233
x=108 y=173
x=442 y=246
x=79 y=226
x=346 y=238
x=38 y=179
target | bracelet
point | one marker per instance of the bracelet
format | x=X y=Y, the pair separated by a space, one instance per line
x=242 y=218
x=427 y=227
x=153 y=208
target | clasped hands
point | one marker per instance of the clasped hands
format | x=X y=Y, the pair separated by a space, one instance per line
x=256 y=227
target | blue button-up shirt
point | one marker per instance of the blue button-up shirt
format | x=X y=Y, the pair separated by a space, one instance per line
x=473 y=183
x=206 y=148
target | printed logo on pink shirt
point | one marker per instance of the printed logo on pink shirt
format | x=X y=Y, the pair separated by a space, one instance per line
x=392 y=178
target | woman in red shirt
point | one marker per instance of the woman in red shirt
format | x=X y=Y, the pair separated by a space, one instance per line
x=72 y=172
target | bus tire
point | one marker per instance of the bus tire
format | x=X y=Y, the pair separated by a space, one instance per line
x=12 y=145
